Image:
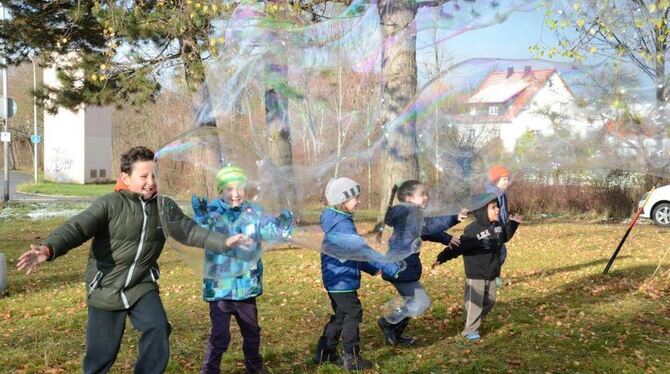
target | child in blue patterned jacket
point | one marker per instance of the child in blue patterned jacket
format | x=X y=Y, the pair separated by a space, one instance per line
x=233 y=278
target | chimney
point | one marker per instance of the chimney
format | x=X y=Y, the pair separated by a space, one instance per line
x=527 y=70
x=510 y=71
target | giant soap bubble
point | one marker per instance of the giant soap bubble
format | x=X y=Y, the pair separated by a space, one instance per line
x=301 y=98
x=224 y=187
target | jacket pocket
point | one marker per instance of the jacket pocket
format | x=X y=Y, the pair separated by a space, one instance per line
x=155 y=274
x=95 y=282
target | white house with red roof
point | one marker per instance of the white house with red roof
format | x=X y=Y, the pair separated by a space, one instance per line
x=509 y=103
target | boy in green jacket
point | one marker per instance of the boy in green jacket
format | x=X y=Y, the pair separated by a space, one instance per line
x=122 y=272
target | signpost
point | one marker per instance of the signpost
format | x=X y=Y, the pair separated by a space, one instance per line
x=4 y=103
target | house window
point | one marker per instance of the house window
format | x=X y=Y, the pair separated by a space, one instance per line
x=93 y=173
x=473 y=110
x=493 y=110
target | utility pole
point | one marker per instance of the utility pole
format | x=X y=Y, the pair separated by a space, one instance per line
x=35 y=143
x=5 y=103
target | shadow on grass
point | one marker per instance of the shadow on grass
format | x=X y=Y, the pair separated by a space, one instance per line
x=523 y=332
x=557 y=327
x=562 y=269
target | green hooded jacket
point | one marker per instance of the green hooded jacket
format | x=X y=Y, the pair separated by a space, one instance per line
x=127 y=241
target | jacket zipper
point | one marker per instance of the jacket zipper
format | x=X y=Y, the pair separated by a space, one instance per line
x=94 y=283
x=154 y=276
x=140 y=246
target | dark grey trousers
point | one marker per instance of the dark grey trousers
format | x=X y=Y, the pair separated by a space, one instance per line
x=105 y=330
x=344 y=322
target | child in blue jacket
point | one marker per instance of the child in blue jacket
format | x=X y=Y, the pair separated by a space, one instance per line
x=233 y=278
x=342 y=278
x=410 y=228
x=499 y=182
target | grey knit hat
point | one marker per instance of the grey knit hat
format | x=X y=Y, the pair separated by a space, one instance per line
x=340 y=190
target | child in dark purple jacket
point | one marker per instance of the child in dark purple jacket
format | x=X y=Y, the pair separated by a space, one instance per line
x=409 y=229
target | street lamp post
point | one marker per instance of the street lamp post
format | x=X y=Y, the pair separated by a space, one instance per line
x=5 y=103
x=35 y=143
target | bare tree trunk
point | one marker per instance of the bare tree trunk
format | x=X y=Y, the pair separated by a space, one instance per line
x=661 y=46
x=661 y=101
x=340 y=130
x=369 y=158
x=436 y=143
x=194 y=75
x=399 y=79
x=279 y=136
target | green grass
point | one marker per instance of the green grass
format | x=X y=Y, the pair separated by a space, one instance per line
x=66 y=189
x=558 y=314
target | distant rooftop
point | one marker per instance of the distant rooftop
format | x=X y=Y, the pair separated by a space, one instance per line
x=502 y=86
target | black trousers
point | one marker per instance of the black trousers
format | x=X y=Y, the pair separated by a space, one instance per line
x=105 y=330
x=347 y=316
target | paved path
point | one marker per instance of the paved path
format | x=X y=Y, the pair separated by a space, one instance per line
x=16 y=178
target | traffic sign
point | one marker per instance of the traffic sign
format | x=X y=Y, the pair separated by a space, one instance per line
x=5 y=137
x=12 y=107
x=36 y=139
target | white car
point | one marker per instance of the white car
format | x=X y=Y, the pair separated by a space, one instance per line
x=658 y=206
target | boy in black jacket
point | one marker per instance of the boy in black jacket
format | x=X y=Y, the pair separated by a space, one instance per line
x=480 y=247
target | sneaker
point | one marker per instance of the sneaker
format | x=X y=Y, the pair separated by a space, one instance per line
x=353 y=361
x=387 y=330
x=403 y=340
x=473 y=336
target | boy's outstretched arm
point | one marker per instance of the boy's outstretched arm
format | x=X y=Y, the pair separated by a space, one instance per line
x=511 y=226
x=432 y=225
x=276 y=229
x=441 y=237
x=187 y=231
x=73 y=233
x=33 y=257
x=466 y=242
x=448 y=253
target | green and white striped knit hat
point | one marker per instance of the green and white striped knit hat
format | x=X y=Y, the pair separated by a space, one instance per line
x=229 y=174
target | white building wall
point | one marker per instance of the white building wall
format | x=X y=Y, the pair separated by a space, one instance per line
x=98 y=144
x=553 y=98
x=76 y=142
x=63 y=142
